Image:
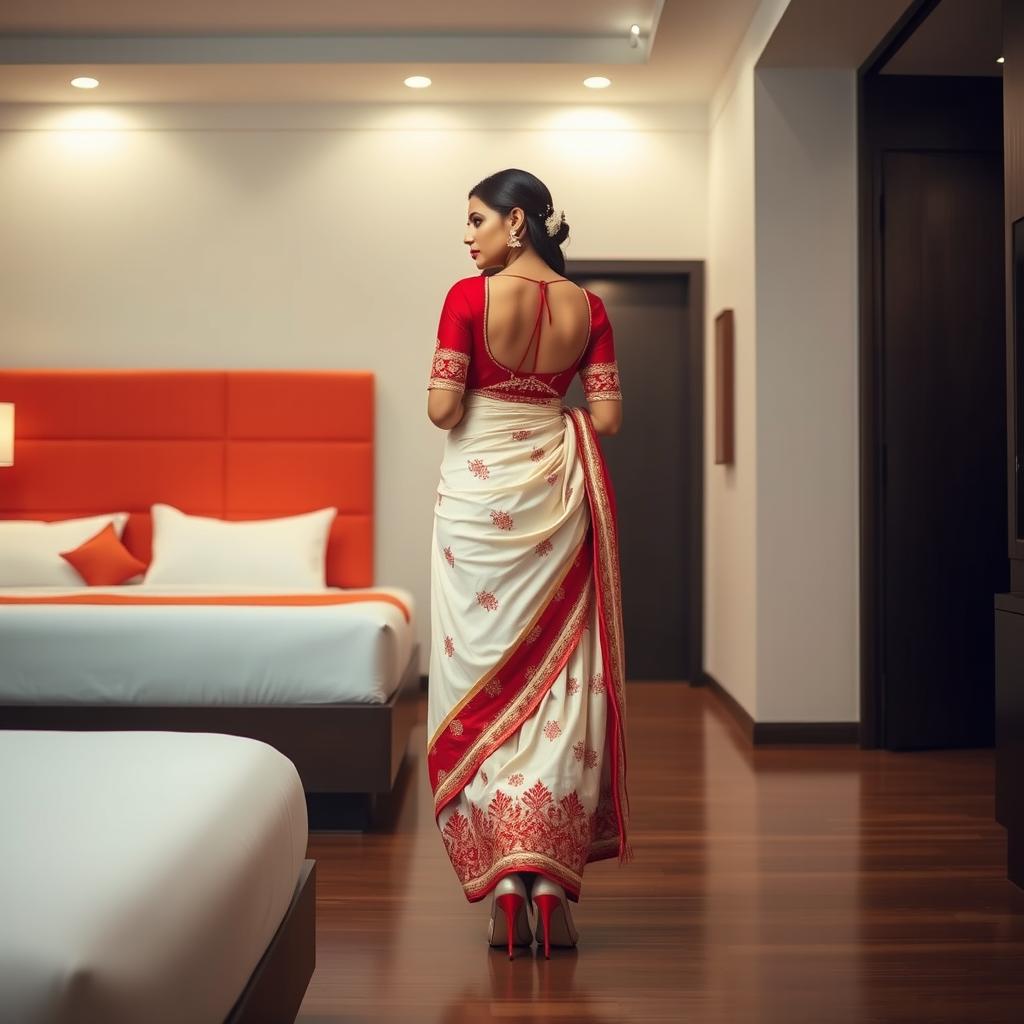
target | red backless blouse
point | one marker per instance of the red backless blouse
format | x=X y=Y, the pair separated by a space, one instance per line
x=463 y=360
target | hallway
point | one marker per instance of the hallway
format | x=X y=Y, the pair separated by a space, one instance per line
x=786 y=884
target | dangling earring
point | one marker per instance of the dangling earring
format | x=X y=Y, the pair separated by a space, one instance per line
x=513 y=242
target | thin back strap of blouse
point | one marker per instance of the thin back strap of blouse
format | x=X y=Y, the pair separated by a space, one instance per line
x=540 y=312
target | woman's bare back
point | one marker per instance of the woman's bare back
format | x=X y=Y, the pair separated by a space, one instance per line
x=511 y=308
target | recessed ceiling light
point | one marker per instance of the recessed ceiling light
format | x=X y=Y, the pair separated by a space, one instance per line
x=84 y=83
x=1000 y=60
x=597 y=82
x=417 y=82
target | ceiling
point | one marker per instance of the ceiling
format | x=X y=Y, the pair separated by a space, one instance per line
x=321 y=51
x=959 y=37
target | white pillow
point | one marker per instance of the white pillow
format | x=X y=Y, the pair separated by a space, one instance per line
x=30 y=549
x=288 y=553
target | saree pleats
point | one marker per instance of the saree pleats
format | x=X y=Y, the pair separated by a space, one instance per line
x=526 y=753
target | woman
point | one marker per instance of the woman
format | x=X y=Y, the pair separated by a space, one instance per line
x=525 y=726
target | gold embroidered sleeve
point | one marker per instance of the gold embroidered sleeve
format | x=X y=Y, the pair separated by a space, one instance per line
x=601 y=382
x=449 y=369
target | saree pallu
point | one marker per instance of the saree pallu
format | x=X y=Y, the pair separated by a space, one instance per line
x=525 y=722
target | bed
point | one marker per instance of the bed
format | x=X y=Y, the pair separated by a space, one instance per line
x=245 y=444
x=156 y=877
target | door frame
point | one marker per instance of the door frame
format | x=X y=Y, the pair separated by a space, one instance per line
x=872 y=444
x=690 y=274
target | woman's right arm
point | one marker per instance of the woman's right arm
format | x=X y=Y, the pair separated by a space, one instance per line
x=450 y=366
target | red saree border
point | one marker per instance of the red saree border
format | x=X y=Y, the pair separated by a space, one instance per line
x=608 y=588
x=535 y=863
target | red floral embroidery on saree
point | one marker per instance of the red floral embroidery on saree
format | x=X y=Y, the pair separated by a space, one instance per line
x=533 y=822
x=545 y=547
x=596 y=684
x=488 y=600
x=449 y=557
x=552 y=730
x=521 y=435
x=491 y=701
x=502 y=520
x=449 y=646
x=573 y=685
x=551 y=478
x=537 y=454
x=516 y=779
x=586 y=754
x=478 y=468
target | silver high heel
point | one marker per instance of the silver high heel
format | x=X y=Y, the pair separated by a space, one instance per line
x=510 y=918
x=551 y=912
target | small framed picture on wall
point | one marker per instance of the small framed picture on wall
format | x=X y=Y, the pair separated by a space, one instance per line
x=724 y=418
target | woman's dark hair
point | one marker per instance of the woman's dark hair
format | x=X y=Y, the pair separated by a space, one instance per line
x=512 y=187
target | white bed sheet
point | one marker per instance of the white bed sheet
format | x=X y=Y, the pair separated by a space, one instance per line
x=201 y=654
x=144 y=874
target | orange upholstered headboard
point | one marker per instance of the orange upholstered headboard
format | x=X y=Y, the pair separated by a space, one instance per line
x=238 y=444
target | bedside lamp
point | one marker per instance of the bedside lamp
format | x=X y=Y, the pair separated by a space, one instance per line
x=6 y=433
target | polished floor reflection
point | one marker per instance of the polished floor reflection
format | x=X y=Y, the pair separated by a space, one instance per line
x=825 y=885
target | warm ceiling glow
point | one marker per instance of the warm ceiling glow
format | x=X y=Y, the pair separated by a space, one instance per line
x=1000 y=60
x=417 y=82
x=597 y=82
x=84 y=83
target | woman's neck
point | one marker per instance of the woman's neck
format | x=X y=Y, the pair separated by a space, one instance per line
x=530 y=267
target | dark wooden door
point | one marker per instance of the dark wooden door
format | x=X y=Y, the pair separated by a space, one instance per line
x=653 y=476
x=943 y=513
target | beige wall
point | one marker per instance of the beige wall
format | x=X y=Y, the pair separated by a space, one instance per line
x=781 y=554
x=730 y=492
x=807 y=433
x=310 y=237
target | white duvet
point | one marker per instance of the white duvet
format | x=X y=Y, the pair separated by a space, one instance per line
x=144 y=874
x=201 y=654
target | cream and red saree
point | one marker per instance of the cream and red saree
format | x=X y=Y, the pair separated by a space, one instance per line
x=526 y=752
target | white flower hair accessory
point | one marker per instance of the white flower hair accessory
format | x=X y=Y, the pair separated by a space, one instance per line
x=554 y=219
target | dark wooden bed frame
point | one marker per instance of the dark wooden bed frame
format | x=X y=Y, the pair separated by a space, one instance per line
x=278 y=984
x=347 y=755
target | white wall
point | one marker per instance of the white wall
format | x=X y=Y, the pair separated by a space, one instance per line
x=807 y=433
x=730 y=492
x=781 y=556
x=311 y=237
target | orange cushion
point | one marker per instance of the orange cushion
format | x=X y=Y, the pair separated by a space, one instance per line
x=103 y=561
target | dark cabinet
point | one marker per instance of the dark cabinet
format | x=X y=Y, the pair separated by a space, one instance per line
x=1009 y=641
x=1009 y=607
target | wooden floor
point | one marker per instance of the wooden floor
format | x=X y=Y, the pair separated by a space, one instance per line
x=788 y=884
